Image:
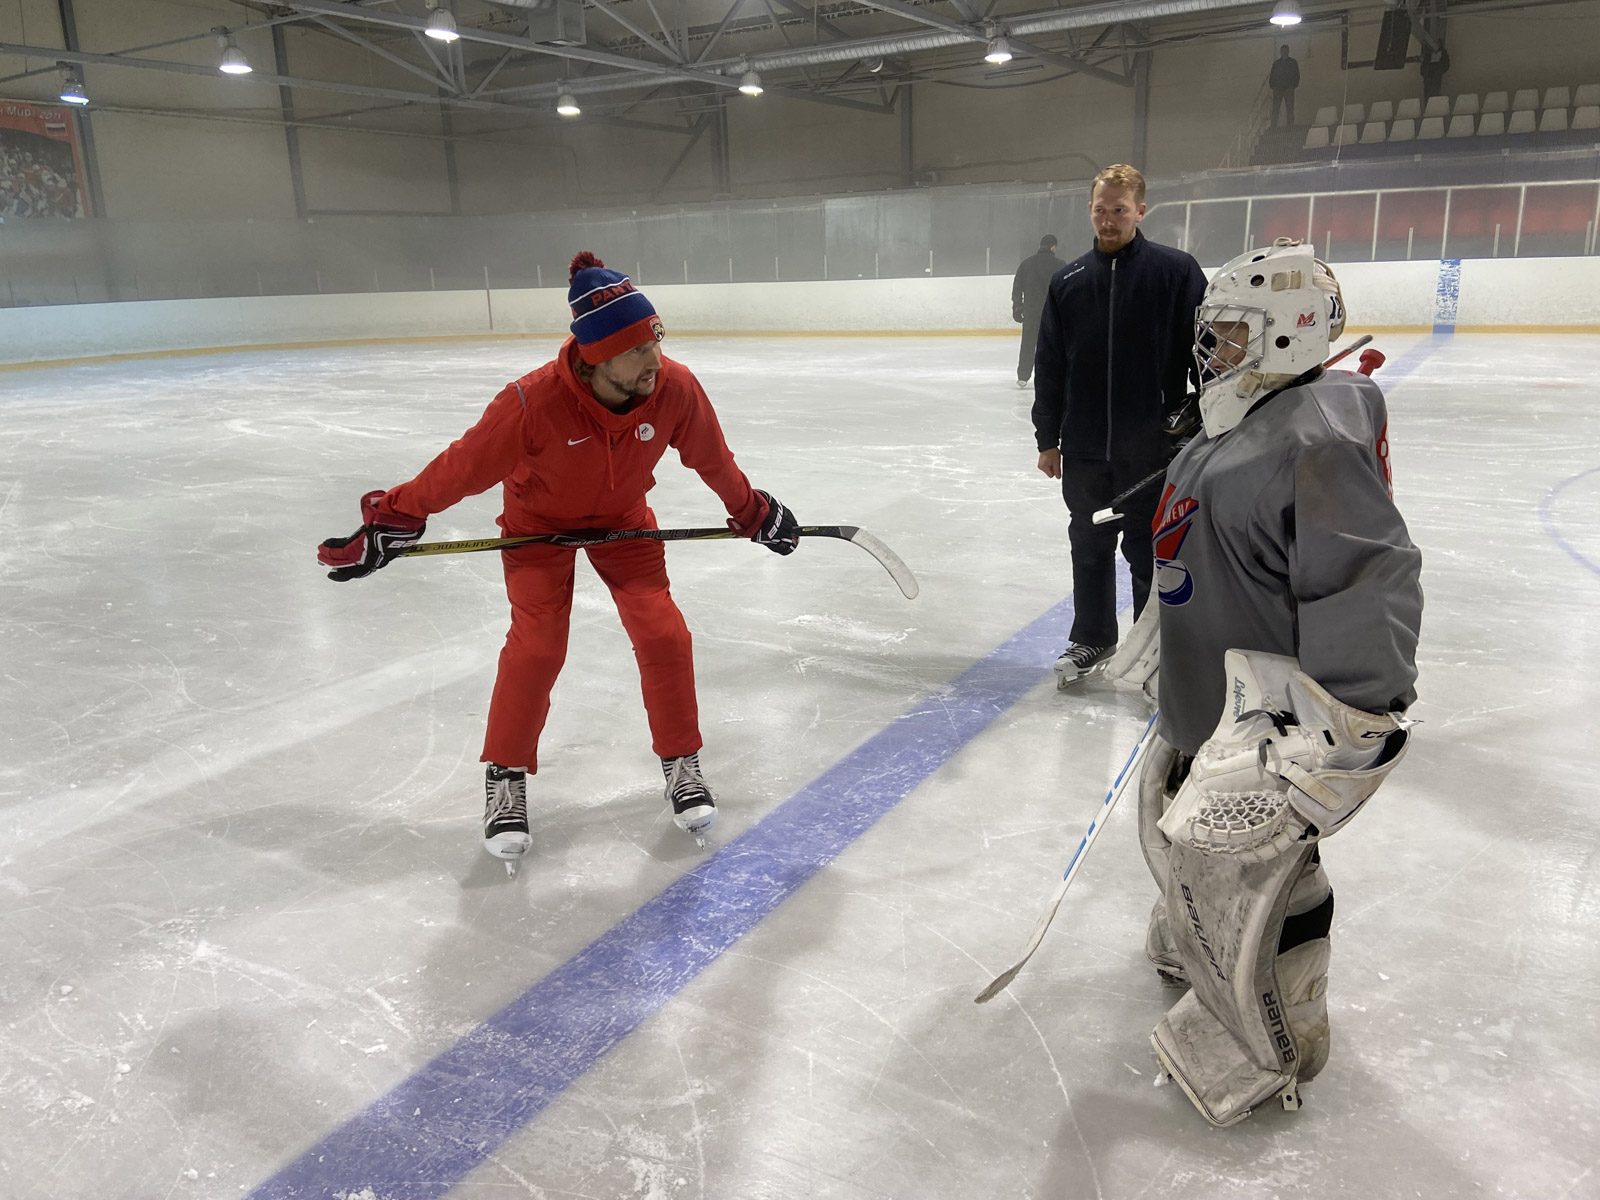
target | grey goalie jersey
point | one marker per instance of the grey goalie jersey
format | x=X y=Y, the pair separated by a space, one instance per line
x=1282 y=536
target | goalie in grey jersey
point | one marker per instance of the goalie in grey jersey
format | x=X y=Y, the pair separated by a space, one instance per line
x=1289 y=614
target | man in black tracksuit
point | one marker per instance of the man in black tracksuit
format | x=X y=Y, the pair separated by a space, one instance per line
x=1029 y=288
x=1114 y=357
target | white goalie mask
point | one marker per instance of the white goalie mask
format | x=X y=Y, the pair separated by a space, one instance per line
x=1268 y=316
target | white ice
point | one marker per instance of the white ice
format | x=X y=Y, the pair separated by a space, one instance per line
x=244 y=893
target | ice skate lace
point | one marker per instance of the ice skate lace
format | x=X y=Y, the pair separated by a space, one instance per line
x=686 y=784
x=1082 y=656
x=507 y=803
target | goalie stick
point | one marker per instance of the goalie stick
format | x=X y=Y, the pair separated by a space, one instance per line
x=1130 y=770
x=891 y=562
x=1370 y=362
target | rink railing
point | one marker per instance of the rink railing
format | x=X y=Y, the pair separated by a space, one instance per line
x=912 y=234
x=1547 y=295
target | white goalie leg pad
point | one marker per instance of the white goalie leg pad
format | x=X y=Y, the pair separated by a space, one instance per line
x=1203 y=1059
x=1286 y=762
x=1137 y=661
x=1158 y=783
x=1253 y=937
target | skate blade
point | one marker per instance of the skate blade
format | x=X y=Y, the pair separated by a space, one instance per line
x=1067 y=682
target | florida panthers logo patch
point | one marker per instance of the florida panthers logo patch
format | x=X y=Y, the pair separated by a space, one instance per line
x=1173 y=519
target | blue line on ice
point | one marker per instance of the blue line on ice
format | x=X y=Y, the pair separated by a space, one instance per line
x=430 y=1131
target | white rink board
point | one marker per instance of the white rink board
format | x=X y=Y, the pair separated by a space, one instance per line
x=1546 y=293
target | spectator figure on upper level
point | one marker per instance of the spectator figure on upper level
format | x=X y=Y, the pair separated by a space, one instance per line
x=1283 y=79
x=1435 y=62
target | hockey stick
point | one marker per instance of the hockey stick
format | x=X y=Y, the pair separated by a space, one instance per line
x=891 y=562
x=1118 y=786
x=1370 y=362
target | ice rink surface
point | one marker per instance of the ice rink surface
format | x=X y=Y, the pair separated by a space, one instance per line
x=252 y=946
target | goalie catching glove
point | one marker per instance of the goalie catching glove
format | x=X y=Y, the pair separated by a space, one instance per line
x=1287 y=763
x=384 y=533
x=776 y=528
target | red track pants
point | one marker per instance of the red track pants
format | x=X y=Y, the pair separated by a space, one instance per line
x=539 y=584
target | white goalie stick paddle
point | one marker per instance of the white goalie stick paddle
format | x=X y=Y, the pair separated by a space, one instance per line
x=891 y=562
x=1130 y=771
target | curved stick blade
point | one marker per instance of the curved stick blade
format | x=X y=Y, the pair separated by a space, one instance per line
x=892 y=562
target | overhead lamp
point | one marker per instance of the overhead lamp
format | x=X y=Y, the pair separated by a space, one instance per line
x=233 y=60
x=72 y=85
x=442 y=26
x=1000 y=49
x=873 y=65
x=566 y=105
x=750 y=84
x=1285 y=13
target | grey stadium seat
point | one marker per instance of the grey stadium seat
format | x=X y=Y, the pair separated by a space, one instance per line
x=1403 y=130
x=1409 y=107
x=1316 y=137
x=1526 y=100
x=1345 y=135
x=1326 y=115
x=1586 y=116
x=1491 y=124
x=1353 y=114
x=1372 y=133
x=1381 y=110
x=1522 y=121
x=1496 y=102
x=1430 y=128
x=1586 y=95
x=1466 y=102
x=1558 y=97
x=1460 y=126
x=1438 y=106
x=1553 y=120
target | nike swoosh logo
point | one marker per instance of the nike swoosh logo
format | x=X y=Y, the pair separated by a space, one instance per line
x=575 y=441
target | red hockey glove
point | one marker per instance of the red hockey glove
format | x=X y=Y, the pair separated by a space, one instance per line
x=776 y=528
x=376 y=544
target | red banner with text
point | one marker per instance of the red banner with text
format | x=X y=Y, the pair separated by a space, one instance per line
x=41 y=169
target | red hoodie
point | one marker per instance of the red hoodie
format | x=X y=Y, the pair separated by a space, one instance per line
x=569 y=463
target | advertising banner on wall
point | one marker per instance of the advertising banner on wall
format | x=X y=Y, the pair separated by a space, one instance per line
x=41 y=170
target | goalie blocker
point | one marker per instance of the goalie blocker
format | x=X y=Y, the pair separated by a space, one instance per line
x=1247 y=906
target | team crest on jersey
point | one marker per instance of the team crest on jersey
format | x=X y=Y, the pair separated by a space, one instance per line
x=657 y=330
x=1174 y=584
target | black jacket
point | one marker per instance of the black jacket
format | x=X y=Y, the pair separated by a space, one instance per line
x=1285 y=74
x=1115 y=351
x=1032 y=282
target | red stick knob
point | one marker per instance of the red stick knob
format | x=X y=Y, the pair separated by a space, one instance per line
x=1371 y=360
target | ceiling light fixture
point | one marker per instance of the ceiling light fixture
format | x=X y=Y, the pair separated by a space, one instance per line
x=999 y=51
x=72 y=85
x=566 y=105
x=1285 y=13
x=233 y=60
x=442 y=26
x=750 y=84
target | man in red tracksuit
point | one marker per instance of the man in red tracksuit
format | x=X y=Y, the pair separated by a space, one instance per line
x=575 y=444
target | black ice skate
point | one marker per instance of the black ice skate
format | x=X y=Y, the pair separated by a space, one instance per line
x=505 y=814
x=694 y=806
x=1078 y=662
